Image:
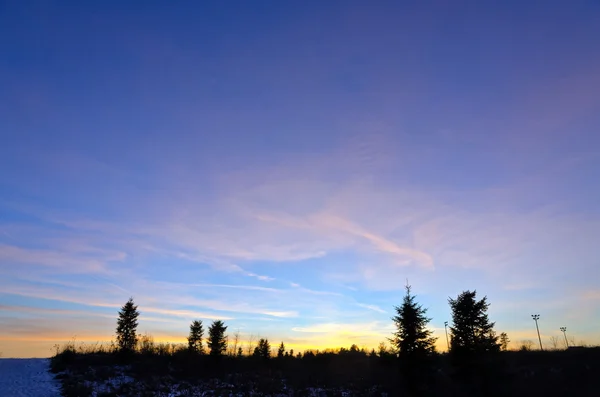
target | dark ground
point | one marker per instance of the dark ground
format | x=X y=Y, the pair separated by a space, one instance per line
x=573 y=372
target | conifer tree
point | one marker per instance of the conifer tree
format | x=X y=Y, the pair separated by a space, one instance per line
x=413 y=342
x=263 y=349
x=471 y=331
x=217 y=340
x=412 y=339
x=281 y=350
x=126 y=326
x=195 y=337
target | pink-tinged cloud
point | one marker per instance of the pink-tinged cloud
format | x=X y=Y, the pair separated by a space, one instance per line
x=61 y=261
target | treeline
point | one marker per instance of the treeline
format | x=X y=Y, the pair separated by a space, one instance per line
x=216 y=342
x=475 y=366
x=471 y=333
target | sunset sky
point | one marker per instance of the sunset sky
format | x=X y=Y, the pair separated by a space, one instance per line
x=288 y=166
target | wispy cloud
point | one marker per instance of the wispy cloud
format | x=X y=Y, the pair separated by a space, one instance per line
x=366 y=328
x=187 y=314
x=63 y=261
x=592 y=295
x=224 y=286
x=340 y=334
x=371 y=307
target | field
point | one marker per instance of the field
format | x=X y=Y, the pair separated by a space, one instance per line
x=174 y=372
x=27 y=378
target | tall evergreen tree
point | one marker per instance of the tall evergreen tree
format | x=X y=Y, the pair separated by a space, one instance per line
x=217 y=340
x=263 y=349
x=471 y=331
x=412 y=339
x=413 y=342
x=195 y=337
x=126 y=326
x=281 y=350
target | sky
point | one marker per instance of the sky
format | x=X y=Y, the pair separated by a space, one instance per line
x=288 y=167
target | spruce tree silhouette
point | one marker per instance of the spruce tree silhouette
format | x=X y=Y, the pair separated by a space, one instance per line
x=195 y=337
x=281 y=350
x=412 y=338
x=263 y=350
x=412 y=341
x=473 y=344
x=127 y=327
x=471 y=331
x=217 y=340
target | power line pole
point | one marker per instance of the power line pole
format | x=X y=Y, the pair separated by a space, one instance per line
x=446 y=329
x=536 y=317
x=564 y=331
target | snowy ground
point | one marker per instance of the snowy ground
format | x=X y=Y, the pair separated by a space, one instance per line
x=29 y=377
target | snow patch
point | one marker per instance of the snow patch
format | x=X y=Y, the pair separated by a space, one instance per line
x=27 y=377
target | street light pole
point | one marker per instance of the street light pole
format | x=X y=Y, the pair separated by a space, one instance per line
x=564 y=331
x=536 y=317
x=446 y=329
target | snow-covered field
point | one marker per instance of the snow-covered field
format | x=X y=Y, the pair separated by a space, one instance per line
x=27 y=377
x=32 y=378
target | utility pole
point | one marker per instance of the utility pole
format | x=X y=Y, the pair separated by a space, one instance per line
x=564 y=331
x=446 y=329
x=536 y=317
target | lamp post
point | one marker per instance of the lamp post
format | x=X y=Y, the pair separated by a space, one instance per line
x=536 y=317
x=446 y=329
x=564 y=331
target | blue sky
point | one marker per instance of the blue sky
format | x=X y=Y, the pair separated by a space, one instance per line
x=288 y=166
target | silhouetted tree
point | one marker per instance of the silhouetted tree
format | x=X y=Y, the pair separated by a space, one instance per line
x=281 y=350
x=240 y=354
x=412 y=341
x=127 y=326
x=471 y=331
x=195 y=337
x=234 y=347
x=473 y=343
x=250 y=346
x=263 y=350
x=526 y=345
x=412 y=338
x=217 y=340
x=382 y=349
x=504 y=341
